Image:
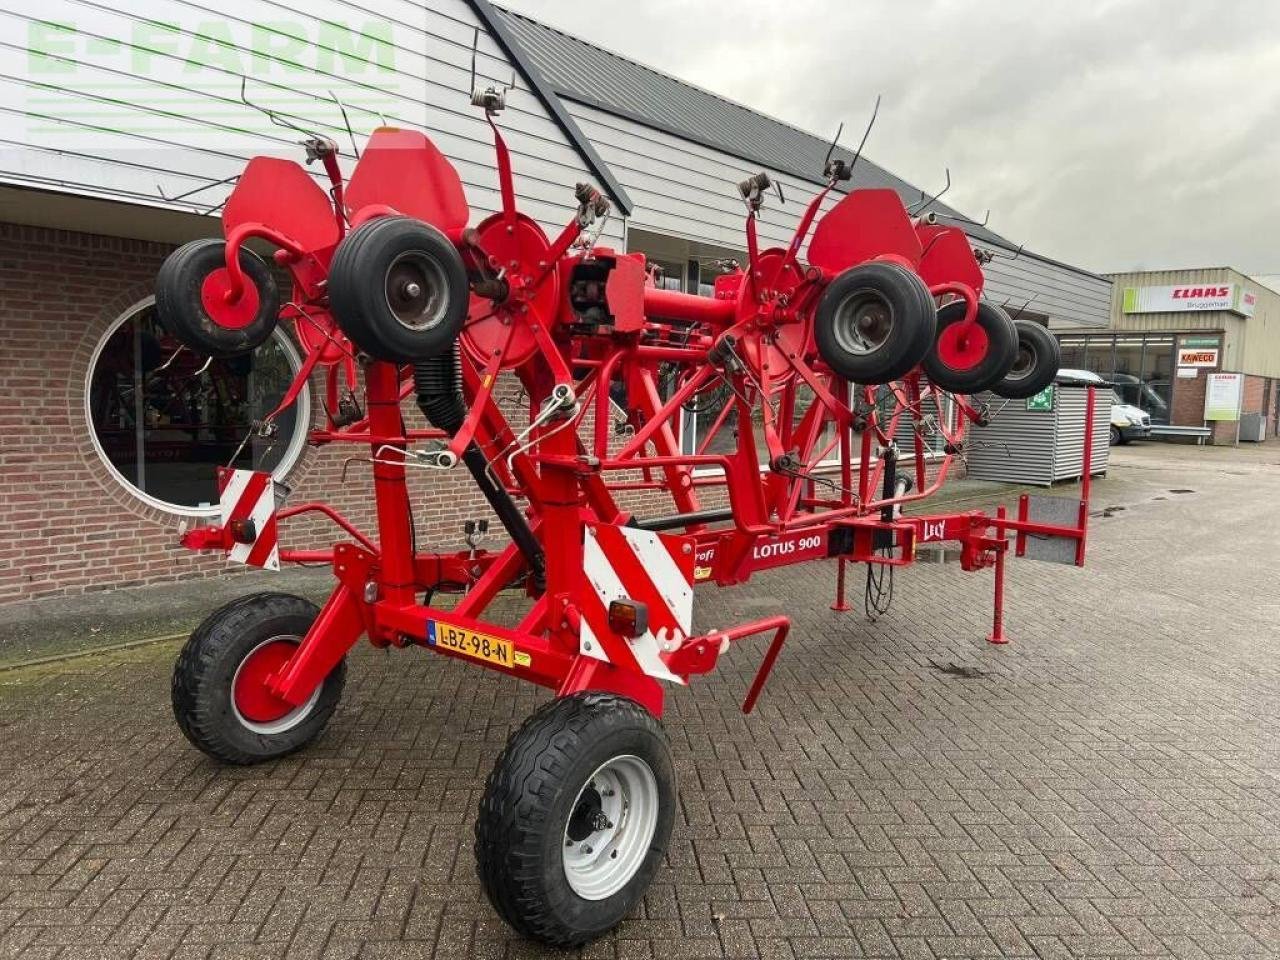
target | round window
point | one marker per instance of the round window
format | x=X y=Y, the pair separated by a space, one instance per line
x=163 y=418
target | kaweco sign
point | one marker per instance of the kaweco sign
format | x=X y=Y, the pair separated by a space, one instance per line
x=1190 y=298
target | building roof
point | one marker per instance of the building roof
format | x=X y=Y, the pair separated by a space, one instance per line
x=589 y=74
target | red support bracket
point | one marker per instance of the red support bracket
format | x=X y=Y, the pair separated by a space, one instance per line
x=997 y=634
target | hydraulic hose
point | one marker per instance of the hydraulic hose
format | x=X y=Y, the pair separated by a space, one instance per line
x=438 y=383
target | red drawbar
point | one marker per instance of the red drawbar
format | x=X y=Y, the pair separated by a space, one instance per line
x=231 y=315
x=252 y=697
x=962 y=346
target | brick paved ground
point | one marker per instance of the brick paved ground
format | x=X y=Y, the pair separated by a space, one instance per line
x=1107 y=786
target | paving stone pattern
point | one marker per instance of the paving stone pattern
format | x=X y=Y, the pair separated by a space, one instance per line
x=1106 y=786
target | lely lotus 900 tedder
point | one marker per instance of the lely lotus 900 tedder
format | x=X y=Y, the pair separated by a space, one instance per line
x=399 y=300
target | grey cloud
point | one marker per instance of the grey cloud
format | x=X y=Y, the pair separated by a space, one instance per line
x=1112 y=135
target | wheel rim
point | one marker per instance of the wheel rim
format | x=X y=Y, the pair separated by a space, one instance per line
x=228 y=314
x=417 y=291
x=963 y=346
x=862 y=323
x=610 y=828
x=254 y=705
x=1023 y=365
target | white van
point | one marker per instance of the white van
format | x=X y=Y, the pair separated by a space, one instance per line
x=1127 y=421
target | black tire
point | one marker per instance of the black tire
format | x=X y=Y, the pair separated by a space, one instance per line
x=539 y=798
x=874 y=322
x=990 y=369
x=372 y=281
x=207 y=666
x=1117 y=438
x=1035 y=365
x=181 y=309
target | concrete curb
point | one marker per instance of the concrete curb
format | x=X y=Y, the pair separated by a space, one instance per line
x=89 y=652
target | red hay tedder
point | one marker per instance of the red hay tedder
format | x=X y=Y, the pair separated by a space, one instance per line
x=396 y=295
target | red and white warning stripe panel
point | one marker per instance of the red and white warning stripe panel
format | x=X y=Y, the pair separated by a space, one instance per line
x=623 y=563
x=251 y=495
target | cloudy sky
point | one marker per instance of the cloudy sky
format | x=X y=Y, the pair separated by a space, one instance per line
x=1113 y=134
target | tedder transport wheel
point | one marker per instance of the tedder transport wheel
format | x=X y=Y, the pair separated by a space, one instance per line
x=191 y=300
x=1036 y=365
x=874 y=322
x=974 y=359
x=576 y=817
x=219 y=699
x=399 y=289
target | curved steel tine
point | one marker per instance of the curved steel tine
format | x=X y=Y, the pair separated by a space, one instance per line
x=178 y=197
x=168 y=363
x=924 y=204
x=273 y=116
x=832 y=148
x=875 y=112
x=346 y=121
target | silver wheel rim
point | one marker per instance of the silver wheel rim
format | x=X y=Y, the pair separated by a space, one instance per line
x=1023 y=365
x=416 y=291
x=862 y=323
x=611 y=828
x=290 y=719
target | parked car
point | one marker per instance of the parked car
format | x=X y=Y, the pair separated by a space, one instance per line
x=1127 y=421
x=1149 y=395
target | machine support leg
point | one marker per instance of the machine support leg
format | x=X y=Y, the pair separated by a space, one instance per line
x=840 y=605
x=335 y=632
x=1086 y=480
x=997 y=634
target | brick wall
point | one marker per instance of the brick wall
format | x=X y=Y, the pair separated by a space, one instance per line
x=1187 y=407
x=71 y=526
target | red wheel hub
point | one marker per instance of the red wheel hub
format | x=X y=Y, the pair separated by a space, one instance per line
x=962 y=346
x=522 y=251
x=767 y=345
x=230 y=314
x=254 y=701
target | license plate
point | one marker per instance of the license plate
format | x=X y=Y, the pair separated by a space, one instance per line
x=469 y=643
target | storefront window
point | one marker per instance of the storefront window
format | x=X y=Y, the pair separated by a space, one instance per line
x=1156 y=393
x=1140 y=366
x=163 y=421
x=667 y=274
x=1099 y=356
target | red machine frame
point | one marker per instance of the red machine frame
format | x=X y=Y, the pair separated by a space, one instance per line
x=752 y=338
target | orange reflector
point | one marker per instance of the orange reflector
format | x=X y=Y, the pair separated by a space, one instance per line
x=243 y=531
x=628 y=618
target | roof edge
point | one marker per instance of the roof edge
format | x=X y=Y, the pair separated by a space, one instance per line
x=1004 y=243
x=488 y=16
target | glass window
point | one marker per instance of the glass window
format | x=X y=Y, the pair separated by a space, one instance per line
x=163 y=420
x=1156 y=393
x=667 y=274
x=1128 y=368
x=1099 y=356
x=1073 y=352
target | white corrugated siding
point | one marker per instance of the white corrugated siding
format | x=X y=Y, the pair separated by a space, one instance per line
x=1071 y=403
x=1038 y=447
x=688 y=190
x=122 y=106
